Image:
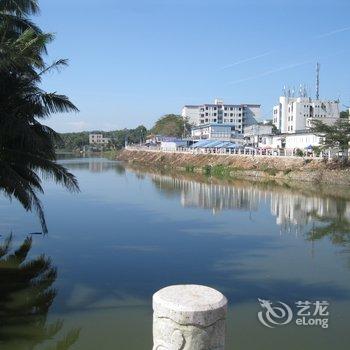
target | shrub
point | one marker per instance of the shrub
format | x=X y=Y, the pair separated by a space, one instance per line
x=207 y=170
x=299 y=152
x=189 y=168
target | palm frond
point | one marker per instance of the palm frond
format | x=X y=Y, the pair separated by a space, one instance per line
x=27 y=147
x=20 y=7
x=55 y=103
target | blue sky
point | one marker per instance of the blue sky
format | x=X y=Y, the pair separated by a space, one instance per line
x=133 y=61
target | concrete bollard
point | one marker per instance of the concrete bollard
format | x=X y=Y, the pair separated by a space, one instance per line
x=189 y=317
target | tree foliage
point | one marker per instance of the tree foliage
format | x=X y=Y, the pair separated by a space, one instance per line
x=73 y=140
x=333 y=136
x=77 y=140
x=171 y=125
x=344 y=114
x=27 y=147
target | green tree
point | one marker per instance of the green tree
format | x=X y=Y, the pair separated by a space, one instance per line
x=27 y=147
x=171 y=125
x=73 y=141
x=137 y=135
x=344 y=114
x=336 y=136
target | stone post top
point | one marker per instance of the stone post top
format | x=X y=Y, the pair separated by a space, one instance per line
x=190 y=304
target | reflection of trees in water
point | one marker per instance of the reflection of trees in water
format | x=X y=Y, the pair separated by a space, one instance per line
x=336 y=227
x=96 y=166
x=26 y=295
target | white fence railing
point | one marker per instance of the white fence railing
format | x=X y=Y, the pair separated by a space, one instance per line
x=287 y=153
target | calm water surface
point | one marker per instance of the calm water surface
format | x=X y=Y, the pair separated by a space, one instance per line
x=131 y=232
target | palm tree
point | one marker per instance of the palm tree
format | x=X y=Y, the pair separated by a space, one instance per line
x=27 y=147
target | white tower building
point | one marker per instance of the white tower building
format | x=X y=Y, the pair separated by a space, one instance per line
x=294 y=114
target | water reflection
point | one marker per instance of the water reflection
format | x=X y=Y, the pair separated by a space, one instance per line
x=335 y=226
x=93 y=165
x=134 y=230
x=293 y=210
x=26 y=295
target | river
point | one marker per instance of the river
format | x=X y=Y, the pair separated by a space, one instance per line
x=132 y=231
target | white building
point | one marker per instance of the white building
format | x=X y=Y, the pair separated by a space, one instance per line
x=222 y=132
x=238 y=116
x=191 y=114
x=294 y=114
x=253 y=133
x=98 y=139
x=301 y=140
x=172 y=145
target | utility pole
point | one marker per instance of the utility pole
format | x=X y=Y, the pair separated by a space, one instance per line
x=318 y=81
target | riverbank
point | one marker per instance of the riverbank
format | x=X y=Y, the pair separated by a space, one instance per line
x=244 y=167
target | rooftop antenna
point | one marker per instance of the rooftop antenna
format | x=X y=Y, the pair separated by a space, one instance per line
x=318 y=81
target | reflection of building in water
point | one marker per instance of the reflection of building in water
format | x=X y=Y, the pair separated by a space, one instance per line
x=292 y=209
x=98 y=167
x=296 y=209
x=218 y=197
x=210 y=196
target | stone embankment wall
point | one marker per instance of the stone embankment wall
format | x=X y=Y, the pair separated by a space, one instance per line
x=239 y=166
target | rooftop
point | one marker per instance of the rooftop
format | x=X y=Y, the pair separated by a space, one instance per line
x=211 y=124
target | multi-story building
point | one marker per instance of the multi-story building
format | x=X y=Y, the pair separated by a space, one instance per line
x=294 y=114
x=191 y=114
x=237 y=116
x=98 y=139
